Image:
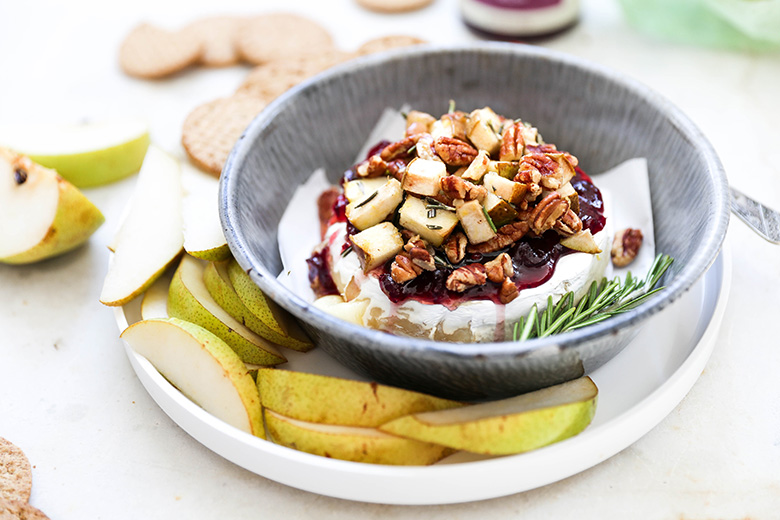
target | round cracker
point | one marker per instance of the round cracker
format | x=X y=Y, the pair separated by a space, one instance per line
x=386 y=43
x=16 y=510
x=278 y=36
x=394 y=6
x=15 y=473
x=151 y=52
x=218 y=38
x=211 y=130
x=270 y=80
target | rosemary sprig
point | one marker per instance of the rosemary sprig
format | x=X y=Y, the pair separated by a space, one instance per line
x=489 y=220
x=603 y=300
x=451 y=108
x=435 y=204
x=367 y=200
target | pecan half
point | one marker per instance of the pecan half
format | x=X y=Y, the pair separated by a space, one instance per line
x=541 y=148
x=455 y=247
x=499 y=268
x=465 y=277
x=508 y=291
x=625 y=246
x=375 y=166
x=399 y=148
x=402 y=269
x=542 y=169
x=505 y=236
x=547 y=211
x=512 y=142
x=568 y=224
x=458 y=189
x=422 y=258
x=454 y=151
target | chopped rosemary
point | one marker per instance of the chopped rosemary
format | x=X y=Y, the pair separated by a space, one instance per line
x=451 y=108
x=404 y=114
x=489 y=220
x=368 y=199
x=441 y=260
x=435 y=204
x=603 y=300
x=431 y=212
x=432 y=226
x=347 y=251
x=412 y=148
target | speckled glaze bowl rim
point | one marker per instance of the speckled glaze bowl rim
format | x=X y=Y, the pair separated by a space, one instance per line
x=374 y=339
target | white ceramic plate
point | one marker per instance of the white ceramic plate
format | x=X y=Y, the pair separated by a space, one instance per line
x=637 y=389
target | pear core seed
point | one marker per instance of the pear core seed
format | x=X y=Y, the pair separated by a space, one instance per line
x=20 y=176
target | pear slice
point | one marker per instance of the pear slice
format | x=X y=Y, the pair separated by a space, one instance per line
x=203 y=236
x=350 y=442
x=150 y=237
x=513 y=425
x=202 y=367
x=221 y=289
x=351 y=311
x=332 y=400
x=42 y=214
x=154 y=303
x=189 y=300
x=266 y=310
x=88 y=154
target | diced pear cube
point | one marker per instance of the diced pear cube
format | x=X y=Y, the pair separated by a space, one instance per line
x=418 y=121
x=481 y=129
x=510 y=191
x=568 y=192
x=433 y=225
x=375 y=207
x=582 y=241
x=376 y=245
x=358 y=190
x=442 y=128
x=500 y=211
x=475 y=224
x=477 y=168
x=423 y=176
x=506 y=169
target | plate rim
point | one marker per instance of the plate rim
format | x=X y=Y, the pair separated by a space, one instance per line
x=404 y=485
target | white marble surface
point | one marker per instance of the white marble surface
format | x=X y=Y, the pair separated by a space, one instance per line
x=100 y=446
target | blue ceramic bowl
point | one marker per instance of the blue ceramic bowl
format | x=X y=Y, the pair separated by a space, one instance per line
x=601 y=116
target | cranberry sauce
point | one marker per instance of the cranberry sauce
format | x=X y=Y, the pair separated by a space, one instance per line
x=534 y=260
x=320 y=278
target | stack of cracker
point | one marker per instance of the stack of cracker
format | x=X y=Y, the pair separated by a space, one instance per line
x=16 y=485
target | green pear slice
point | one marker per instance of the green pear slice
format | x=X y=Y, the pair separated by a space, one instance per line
x=513 y=425
x=41 y=214
x=189 y=300
x=150 y=237
x=203 y=236
x=350 y=442
x=266 y=310
x=332 y=400
x=221 y=289
x=88 y=154
x=202 y=367
x=154 y=303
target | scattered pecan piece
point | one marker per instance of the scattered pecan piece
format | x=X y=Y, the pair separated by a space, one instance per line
x=499 y=268
x=399 y=148
x=413 y=240
x=625 y=246
x=375 y=166
x=455 y=247
x=402 y=269
x=422 y=258
x=541 y=148
x=397 y=168
x=547 y=211
x=508 y=291
x=425 y=149
x=505 y=236
x=512 y=143
x=454 y=151
x=569 y=224
x=458 y=189
x=465 y=277
x=542 y=169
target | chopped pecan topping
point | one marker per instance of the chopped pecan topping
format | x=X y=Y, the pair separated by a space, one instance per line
x=465 y=277
x=547 y=211
x=455 y=247
x=541 y=148
x=422 y=258
x=396 y=169
x=505 y=236
x=542 y=169
x=458 y=189
x=499 y=268
x=425 y=149
x=412 y=241
x=454 y=151
x=399 y=148
x=512 y=142
x=403 y=269
x=568 y=224
x=375 y=166
x=626 y=246
x=508 y=291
